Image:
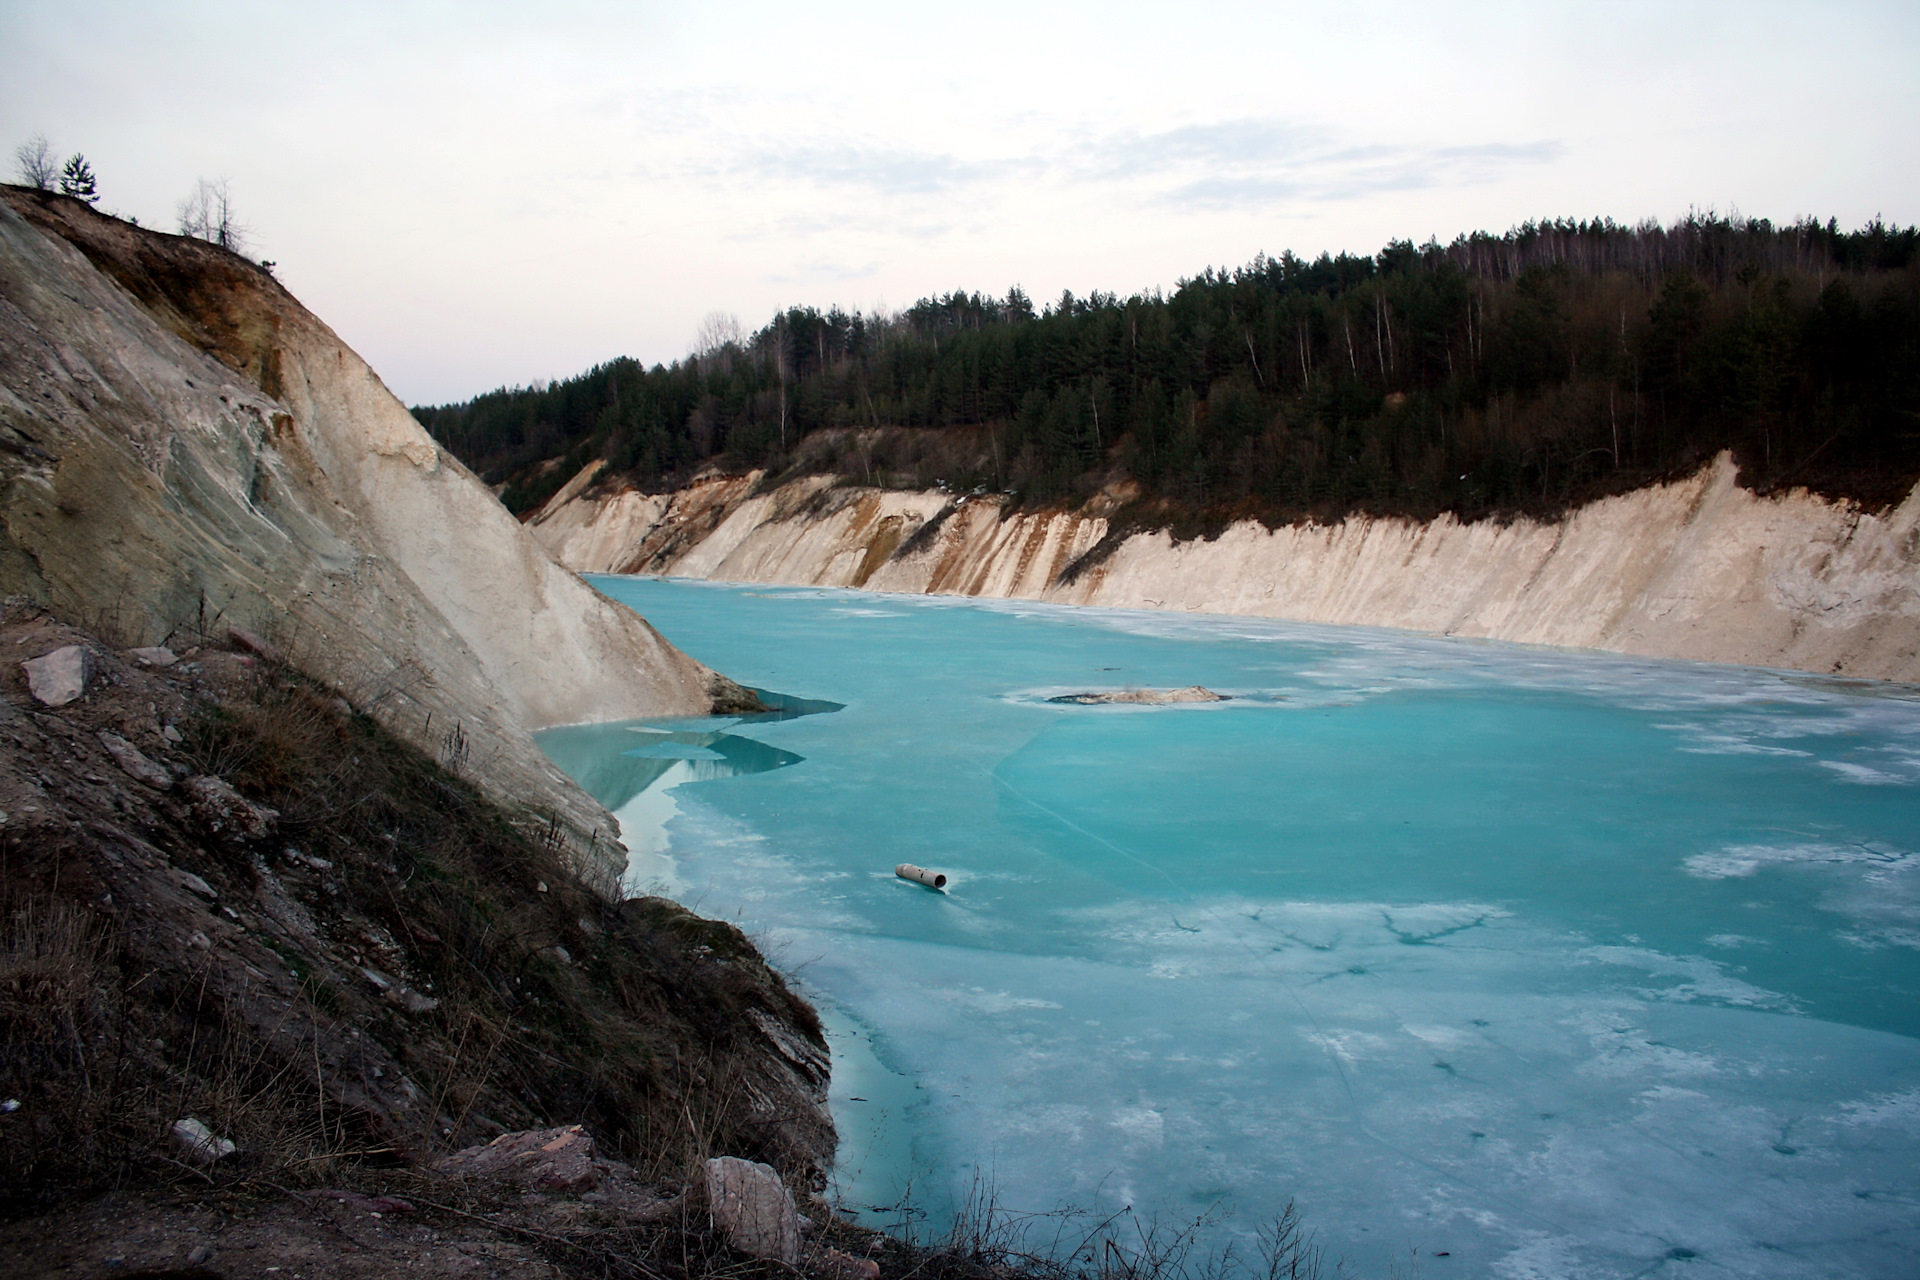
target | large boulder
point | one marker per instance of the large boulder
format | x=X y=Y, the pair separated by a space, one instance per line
x=753 y=1210
x=59 y=677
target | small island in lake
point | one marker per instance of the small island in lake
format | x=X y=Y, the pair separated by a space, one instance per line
x=1142 y=697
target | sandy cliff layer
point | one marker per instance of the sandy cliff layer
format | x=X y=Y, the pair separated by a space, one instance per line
x=1699 y=569
x=183 y=445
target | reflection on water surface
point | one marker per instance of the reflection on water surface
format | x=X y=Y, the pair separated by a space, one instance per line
x=618 y=761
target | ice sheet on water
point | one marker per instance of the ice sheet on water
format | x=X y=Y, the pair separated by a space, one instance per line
x=1376 y=660
x=1874 y=885
x=1243 y=935
x=1884 y=1111
x=1566 y=963
x=673 y=751
x=1211 y=1046
x=1208 y=1046
x=1884 y=907
x=1438 y=1100
x=1865 y=741
x=642 y=827
x=979 y=998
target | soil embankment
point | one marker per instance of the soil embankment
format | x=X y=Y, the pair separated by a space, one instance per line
x=1699 y=568
x=229 y=900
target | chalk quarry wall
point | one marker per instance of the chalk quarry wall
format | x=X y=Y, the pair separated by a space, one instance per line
x=1699 y=569
x=182 y=444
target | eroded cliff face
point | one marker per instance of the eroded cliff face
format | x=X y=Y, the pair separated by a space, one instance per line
x=184 y=446
x=1699 y=569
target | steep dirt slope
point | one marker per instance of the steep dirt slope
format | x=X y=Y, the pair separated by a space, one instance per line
x=1700 y=568
x=226 y=896
x=182 y=443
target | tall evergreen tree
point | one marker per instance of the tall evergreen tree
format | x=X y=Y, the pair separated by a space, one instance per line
x=77 y=180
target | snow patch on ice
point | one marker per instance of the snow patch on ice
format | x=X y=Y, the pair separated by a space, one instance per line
x=1353 y=1046
x=1746 y=859
x=1542 y=1257
x=981 y=1000
x=1626 y=1052
x=1439 y=1037
x=1863 y=774
x=1884 y=1110
x=1874 y=940
x=1141 y=1125
x=1701 y=978
x=1726 y=740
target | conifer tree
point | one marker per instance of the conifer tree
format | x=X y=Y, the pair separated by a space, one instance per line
x=77 y=180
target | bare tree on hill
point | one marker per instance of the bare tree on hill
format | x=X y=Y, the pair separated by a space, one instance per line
x=717 y=329
x=208 y=215
x=37 y=166
x=718 y=335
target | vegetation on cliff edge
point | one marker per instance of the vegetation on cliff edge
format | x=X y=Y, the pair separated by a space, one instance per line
x=1496 y=375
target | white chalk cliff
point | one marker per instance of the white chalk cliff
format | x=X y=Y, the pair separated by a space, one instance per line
x=1700 y=568
x=183 y=445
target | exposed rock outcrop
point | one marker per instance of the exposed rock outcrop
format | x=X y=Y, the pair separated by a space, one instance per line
x=1700 y=568
x=558 y=1159
x=184 y=449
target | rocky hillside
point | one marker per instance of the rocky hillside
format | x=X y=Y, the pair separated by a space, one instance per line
x=184 y=446
x=230 y=898
x=292 y=909
x=1698 y=568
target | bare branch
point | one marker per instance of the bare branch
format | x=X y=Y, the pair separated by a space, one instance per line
x=37 y=166
x=208 y=215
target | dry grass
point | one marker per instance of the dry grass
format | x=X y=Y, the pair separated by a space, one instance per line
x=557 y=1004
x=103 y=1054
x=987 y=1240
x=538 y=1000
x=54 y=971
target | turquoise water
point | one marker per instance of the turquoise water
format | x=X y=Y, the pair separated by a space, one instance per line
x=1559 y=964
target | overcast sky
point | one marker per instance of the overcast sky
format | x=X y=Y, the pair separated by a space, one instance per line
x=481 y=194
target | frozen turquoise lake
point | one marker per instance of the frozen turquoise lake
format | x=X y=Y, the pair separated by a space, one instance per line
x=1559 y=964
